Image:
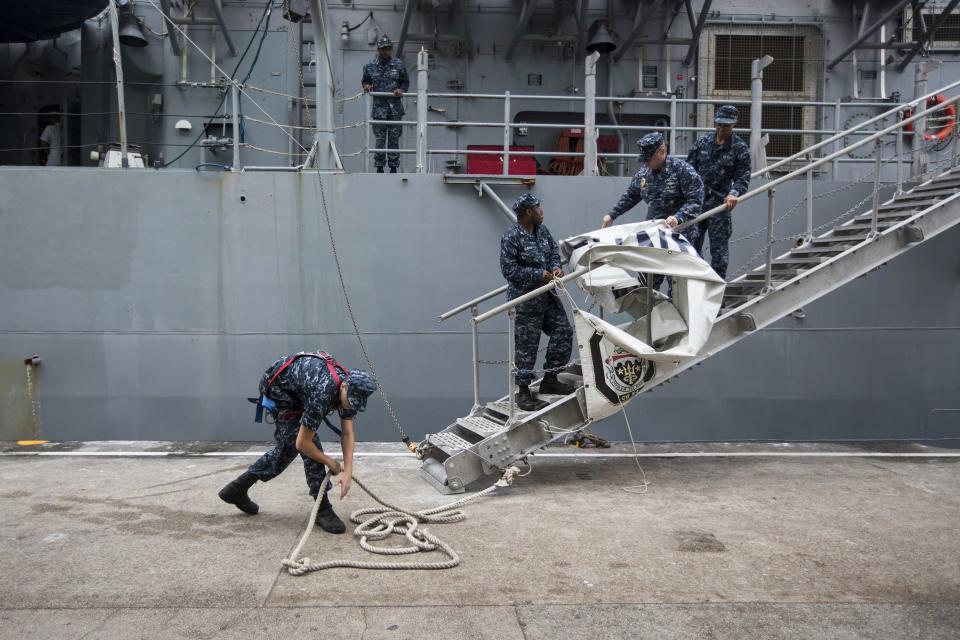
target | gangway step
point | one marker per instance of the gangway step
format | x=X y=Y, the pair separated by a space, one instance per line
x=902 y=206
x=933 y=194
x=797 y=260
x=480 y=426
x=832 y=239
x=776 y=275
x=887 y=215
x=832 y=249
x=449 y=443
x=863 y=225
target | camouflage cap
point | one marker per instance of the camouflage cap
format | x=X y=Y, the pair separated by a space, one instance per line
x=727 y=114
x=360 y=385
x=649 y=145
x=384 y=43
x=525 y=201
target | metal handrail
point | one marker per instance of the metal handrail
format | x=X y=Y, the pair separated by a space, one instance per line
x=550 y=286
x=703 y=216
x=898 y=108
x=828 y=158
x=834 y=137
x=466 y=305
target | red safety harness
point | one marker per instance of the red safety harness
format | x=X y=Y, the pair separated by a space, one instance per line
x=332 y=366
x=264 y=402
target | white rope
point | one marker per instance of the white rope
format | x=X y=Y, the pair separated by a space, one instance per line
x=644 y=485
x=278 y=93
x=389 y=519
x=274 y=151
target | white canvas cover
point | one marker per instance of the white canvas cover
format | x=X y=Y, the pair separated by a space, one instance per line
x=619 y=360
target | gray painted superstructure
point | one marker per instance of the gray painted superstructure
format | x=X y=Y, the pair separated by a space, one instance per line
x=155 y=299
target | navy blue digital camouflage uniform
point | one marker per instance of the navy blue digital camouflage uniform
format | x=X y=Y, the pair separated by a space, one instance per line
x=386 y=77
x=308 y=385
x=523 y=259
x=725 y=169
x=674 y=189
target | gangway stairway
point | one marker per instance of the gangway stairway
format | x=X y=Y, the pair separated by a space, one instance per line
x=487 y=440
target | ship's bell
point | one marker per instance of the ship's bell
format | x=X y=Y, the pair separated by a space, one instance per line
x=600 y=39
x=130 y=32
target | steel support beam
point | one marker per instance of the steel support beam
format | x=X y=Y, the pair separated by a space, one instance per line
x=174 y=41
x=689 y=7
x=872 y=29
x=323 y=137
x=526 y=13
x=930 y=35
x=697 y=30
x=218 y=11
x=404 y=25
x=634 y=32
x=118 y=68
x=582 y=28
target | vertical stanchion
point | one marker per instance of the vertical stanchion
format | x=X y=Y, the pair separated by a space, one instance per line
x=590 y=116
x=422 y=68
x=757 y=152
x=368 y=108
x=648 y=277
x=672 y=134
x=506 y=133
x=511 y=357
x=835 y=165
x=118 y=68
x=920 y=156
x=324 y=134
x=809 y=234
x=235 y=123
x=476 y=357
x=956 y=152
x=899 y=157
x=878 y=152
x=771 y=210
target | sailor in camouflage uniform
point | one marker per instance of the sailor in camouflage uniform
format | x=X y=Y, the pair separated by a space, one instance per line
x=306 y=387
x=723 y=161
x=530 y=258
x=388 y=75
x=671 y=188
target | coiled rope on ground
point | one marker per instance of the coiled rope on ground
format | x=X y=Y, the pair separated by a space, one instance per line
x=387 y=520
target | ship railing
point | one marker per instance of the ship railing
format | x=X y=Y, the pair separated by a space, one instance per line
x=908 y=120
x=758 y=134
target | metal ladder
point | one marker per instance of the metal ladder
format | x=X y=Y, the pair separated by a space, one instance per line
x=496 y=434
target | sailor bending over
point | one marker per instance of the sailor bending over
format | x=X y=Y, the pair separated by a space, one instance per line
x=300 y=390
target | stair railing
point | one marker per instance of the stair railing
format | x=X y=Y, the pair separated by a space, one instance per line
x=769 y=188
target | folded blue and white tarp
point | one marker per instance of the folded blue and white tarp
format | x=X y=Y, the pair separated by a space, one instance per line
x=619 y=360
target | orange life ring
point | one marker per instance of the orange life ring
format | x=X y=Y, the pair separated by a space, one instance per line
x=949 y=113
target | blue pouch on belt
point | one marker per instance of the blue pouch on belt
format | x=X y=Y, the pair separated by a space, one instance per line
x=264 y=403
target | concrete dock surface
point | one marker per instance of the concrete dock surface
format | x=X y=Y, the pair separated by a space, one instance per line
x=129 y=540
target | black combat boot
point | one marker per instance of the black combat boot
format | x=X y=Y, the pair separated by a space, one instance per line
x=393 y=169
x=527 y=400
x=379 y=169
x=327 y=519
x=236 y=493
x=550 y=384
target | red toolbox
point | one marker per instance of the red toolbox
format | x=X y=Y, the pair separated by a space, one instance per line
x=492 y=163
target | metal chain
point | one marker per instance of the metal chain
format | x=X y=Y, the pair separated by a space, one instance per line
x=353 y=319
x=795 y=207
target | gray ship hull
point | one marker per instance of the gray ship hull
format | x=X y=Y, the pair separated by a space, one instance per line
x=156 y=299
